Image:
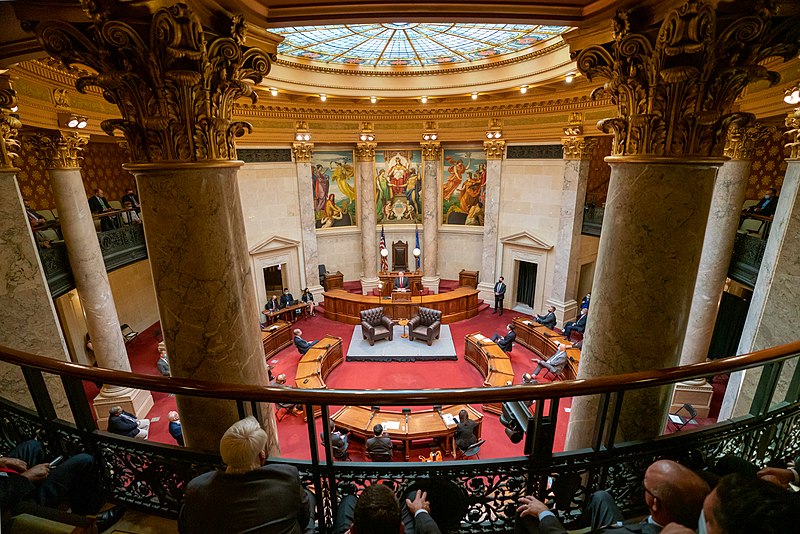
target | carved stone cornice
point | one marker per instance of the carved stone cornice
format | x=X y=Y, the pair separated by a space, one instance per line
x=494 y=149
x=741 y=141
x=578 y=148
x=366 y=151
x=302 y=152
x=9 y=124
x=793 y=123
x=60 y=150
x=431 y=150
x=173 y=82
x=675 y=85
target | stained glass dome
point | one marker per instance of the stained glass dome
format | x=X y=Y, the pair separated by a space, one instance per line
x=409 y=44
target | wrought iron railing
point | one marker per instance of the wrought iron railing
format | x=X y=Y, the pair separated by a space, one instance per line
x=151 y=477
x=748 y=251
x=592 y=219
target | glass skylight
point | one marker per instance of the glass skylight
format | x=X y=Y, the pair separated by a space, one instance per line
x=409 y=44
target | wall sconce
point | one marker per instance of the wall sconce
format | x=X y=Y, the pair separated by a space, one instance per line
x=430 y=136
x=494 y=134
x=424 y=99
x=792 y=95
x=373 y=99
x=366 y=137
x=323 y=97
x=302 y=136
x=570 y=77
x=70 y=120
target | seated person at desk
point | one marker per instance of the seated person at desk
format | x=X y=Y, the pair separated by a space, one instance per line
x=766 y=206
x=301 y=344
x=549 y=319
x=286 y=298
x=99 y=204
x=555 y=363
x=401 y=282
x=308 y=298
x=576 y=326
x=339 y=442
x=272 y=306
x=506 y=343
x=465 y=431
x=130 y=217
x=379 y=444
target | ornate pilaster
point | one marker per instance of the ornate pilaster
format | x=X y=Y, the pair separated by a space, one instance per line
x=302 y=152
x=432 y=158
x=674 y=85
x=495 y=150
x=578 y=148
x=366 y=151
x=365 y=173
x=431 y=150
x=9 y=124
x=793 y=123
x=302 y=158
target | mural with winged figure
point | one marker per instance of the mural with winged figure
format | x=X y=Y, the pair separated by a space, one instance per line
x=333 y=189
x=464 y=187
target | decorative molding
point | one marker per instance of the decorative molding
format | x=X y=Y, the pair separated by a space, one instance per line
x=431 y=150
x=494 y=149
x=9 y=125
x=578 y=148
x=535 y=152
x=366 y=151
x=60 y=150
x=61 y=99
x=273 y=243
x=675 y=87
x=740 y=144
x=526 y=240
x=302 y=152
x=174 y=83
x=265 y=155
x=793 y=123
x=575 y=124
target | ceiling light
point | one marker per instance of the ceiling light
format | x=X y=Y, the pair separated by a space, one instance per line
x=14 y=109
x=367 y=137
x=569 y=78
x=303 y=136
x=429 y=136
x=373 y=99
x=273 y=91
x=82 y=123
x=474 y=96
x=523 y=89
x=70 y=120
x=323 y=97
x=792 y=95
x=424 y=99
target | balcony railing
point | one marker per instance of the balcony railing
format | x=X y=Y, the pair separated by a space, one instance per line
x=152 y=477
x=592 y=219
x=748 y=251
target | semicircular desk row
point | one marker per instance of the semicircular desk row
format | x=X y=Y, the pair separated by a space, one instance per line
x=456 y=305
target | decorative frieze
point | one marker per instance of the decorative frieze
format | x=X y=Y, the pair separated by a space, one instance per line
x=173 y=82
x=494 y=149
x=579 y=148
x=302 y=152
x=9 y=124
x=61 y=150
x=675 y=85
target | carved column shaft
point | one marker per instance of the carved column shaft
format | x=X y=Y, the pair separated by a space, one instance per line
x=365 y=174
x=302 y=157
x=495 y=150
x=431 y=155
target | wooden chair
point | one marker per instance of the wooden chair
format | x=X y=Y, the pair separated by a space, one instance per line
x=400 y=256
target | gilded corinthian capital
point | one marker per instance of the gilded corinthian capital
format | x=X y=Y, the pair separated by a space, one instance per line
x=302 y=152
x=61 y=150
x=674 y=85
x=793 y=123
x=9 y=123
x=431 y=150
x=494 y=149
x=174 y=82
x=578 y=147
x=741 y=141
x=366 y=151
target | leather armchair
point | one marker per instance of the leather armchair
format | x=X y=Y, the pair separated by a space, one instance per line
x=375 y=325
x=425 y=325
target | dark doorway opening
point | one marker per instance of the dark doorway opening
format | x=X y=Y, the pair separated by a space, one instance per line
x=273 y=279
x=526 y=283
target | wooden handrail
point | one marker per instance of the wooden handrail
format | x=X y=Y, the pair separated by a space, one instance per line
x=605 y=384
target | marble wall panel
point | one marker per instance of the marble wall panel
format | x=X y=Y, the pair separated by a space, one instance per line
x=341 y=251
x=270 y=201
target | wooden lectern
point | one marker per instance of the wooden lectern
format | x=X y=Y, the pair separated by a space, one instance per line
x=401 y=296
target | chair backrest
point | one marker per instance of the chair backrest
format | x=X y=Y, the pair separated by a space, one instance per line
x=116 y=204
x=372 y=316
x=379 y=456
x=474 y=449
x=400 y=256
x=47 y=214
x=690 y=409
x=429 y=316
x=322 y=269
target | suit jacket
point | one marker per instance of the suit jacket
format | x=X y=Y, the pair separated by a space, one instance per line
x=465 y=434
x=123 y=424
x=268 y=499
x=424 y=524
x=379 y=445
x=550 y=525
x=176 y=431
x=272 y=305
x=401 y=282
x=338 y=443
x=500 y=289
x=558 y=361
x=548 y=320
x=507 y=342
x=286 y=300
x=766 y=206
x=302 y=345
x=581 y=322
x=98 y=205
x=133 y=199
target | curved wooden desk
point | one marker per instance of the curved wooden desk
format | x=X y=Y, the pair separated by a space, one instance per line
x=425 y=424
x=492 y=362
x=544 y=342
x=457 y=305
x=316 y=364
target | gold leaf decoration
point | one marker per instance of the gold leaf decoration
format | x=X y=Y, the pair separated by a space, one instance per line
x=60 y=150
x=494 y=149
x=9 y=124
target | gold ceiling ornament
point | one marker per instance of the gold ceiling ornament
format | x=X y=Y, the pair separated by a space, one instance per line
x=578 y=148
x=742 y=138
x=9 y=124
x=675 y=85
x=302 y=152
x=61 y=99
x=793 y=123
x=366 y=151
x=60 y=150
x=431 y=150
x=494 y=149
x=575 y=124
x=173 y=82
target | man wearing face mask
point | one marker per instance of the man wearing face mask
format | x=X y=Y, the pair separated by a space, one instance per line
x=766 y=206
x=286 y=298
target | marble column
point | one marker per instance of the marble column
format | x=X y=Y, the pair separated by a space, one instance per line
x=431 y=156
x=772 y=318
x=61 y=153
x=577 y=153
x=365 y=174
x=302 y=158
x=649 y=251
x=495 y=150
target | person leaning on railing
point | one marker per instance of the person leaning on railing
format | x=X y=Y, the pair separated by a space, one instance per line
x=377 y=511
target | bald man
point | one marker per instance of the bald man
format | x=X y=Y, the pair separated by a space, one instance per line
x=673 y=493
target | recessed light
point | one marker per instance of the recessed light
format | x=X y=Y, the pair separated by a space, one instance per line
x=323 y=97
x=373 y=99
x=569 y=78
x=82 y=123
x=424 y=99
x=14 y=109
x=474 y=96
x=523 y=89
x=73 y=123
x=273 y=91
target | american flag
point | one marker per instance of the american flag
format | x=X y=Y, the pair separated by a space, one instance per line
x=384 y=261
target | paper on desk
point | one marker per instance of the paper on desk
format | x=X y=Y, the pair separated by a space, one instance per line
x=391 y=425
x=528 y=323
x=480 y=337
x=449 y=420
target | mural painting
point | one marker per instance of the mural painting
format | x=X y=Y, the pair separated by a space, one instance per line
x=464 y=187
x=333 y=189
x=398 y=186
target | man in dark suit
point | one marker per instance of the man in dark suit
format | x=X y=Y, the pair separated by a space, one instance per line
x=132 y=197
x=465 y=431
x=126 y=424
x=175 y=427
x=248 y=496
x=766 y=206
x=576 y=326
x=379 y=445
x=339 y=442
x=548 y=319
x=377 y=511
x=99 y=204
x=301 y=344
x=672 y=492
x=401 y=282
x=286 y=298
x=499 y=295
x=506 y=343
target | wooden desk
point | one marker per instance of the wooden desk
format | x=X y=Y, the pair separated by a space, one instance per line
x=492 y=362
x=421 y=425
x=456 y=305
x=276 y=338
x=544 y=342
x=468 y=278
x=334 y=281
x=387 y=278
x=287 y=313
x=316 y=364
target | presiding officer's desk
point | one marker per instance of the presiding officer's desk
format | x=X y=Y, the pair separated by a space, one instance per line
x=492 y=362
x=420 y=425
x=456 y=305
x=544 y=342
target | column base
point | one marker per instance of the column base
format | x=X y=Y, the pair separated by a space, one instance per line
x=368 y=284
x=431 y=283
x=135 y=401
x=486 y=292
x=698 y=393
x=565 y=311
x=317 y=291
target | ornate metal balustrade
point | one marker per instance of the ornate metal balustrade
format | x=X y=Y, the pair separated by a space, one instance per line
x=592 y=220
x=151 y=477
x=748 y=251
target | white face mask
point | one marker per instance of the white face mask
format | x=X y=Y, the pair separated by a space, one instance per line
x=701 y=524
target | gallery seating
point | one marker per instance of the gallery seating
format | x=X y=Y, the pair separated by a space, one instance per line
x=375 y=325
x=425 y=325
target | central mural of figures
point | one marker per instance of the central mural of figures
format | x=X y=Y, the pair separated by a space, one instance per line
x=464 y=187
x=398 y=186
x=333 y=187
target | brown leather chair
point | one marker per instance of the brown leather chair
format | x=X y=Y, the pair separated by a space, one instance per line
x=375 y=325
x=425 y=325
